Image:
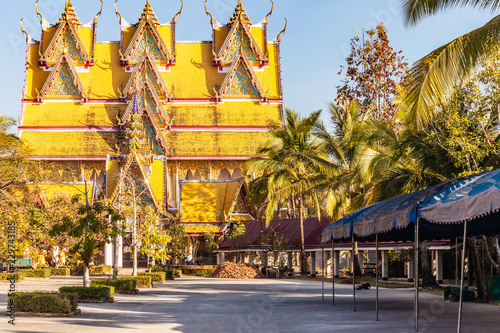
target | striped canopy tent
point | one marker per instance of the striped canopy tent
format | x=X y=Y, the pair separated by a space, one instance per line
x=468 y=206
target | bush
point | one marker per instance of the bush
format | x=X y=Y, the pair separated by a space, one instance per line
x=103 y=293
x=39 y=273
x=101 y=269
x=170 y=274
x=156 y=276
x=41 y=302
x=121 y=284
x=198 y=271
x=60 y=271
x=17 y=276
x=142 y=280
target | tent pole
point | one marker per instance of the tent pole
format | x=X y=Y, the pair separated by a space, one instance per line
x=333 y=274
x=376 y=277
x=460 y=306
x=353 y=277
x=322 y=271
x=415 y=275
x=456 y=261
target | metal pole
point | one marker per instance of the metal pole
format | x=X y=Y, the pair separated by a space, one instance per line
x=376 y=277
x=353 y=277
x=322 y=271
x=456 y=261
x=460 y=306
x=415 y=275
x=333 y=274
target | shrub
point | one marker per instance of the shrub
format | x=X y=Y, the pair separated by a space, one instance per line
x=101 y=269
x=156 y=276
x=39 y=273
x=170 y=274
x=121 y=284
x=42 y=302
x=142 y=280
x=60 y=271
x=103 y=293
x=17 y=276
x=198 y=271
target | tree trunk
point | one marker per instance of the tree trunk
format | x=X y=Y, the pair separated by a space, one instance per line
x=86 y=276
x=303 y=257
x=428 y=280
x=480 y=281
x=116 y=249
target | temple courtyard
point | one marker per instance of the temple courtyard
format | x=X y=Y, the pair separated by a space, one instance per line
x=195 y=304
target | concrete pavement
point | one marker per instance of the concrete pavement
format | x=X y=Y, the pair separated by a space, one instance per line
x=193 y=304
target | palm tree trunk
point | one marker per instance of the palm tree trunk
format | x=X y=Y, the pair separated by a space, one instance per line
x=303 y=258
x=86 y=276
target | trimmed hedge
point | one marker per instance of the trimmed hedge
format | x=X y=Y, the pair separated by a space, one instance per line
x=101 y=269
x=198 y=272
x=121 y=284
x=43 y=302
x=17 y=276
x=39 y=273
x=60 y=271
x=102 y=293
x=142 y=280
x=156 y=276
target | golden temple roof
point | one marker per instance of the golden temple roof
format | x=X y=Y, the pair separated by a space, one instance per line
x=148 y=14
x=239 y=15
x=69 y=14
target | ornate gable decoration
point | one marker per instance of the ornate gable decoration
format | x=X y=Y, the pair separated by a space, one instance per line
x=66 y=39
x=239 y=39
x=147 y=70
x=241 y=80
x=147 y=39
x=148 y=100
x=63 y=81
x=153 y=134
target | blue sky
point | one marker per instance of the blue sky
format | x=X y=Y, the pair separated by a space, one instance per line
x=313 y=48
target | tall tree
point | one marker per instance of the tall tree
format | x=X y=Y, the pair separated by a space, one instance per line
x=289 y=171
x=433 y=77
x=374 y=72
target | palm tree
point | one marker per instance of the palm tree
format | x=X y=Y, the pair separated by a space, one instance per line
x=433 y=77
x=289 y=170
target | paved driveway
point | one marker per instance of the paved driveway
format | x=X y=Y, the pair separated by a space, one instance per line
x=212 y=305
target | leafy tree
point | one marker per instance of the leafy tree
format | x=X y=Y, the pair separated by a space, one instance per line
x=93 y=225
x=434 y=77
x=152 y=239
x=374 y=72
x=178 y=238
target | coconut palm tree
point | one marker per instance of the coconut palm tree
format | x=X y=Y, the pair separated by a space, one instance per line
x=433 y=77
x=289 y=171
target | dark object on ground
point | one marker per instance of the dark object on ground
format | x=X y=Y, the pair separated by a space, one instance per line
x=454 y=294
x=364 y=286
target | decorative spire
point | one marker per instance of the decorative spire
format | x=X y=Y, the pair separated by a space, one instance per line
x=69 y=14
x=239 y=15
x=148 y=14
x=135 y=131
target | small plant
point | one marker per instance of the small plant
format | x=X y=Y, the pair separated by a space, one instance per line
x=42 y=302
x=8 y=276
x=100 y=293
x=60 y=271
x=155 y=276
x=39 y=273
x=120 y=284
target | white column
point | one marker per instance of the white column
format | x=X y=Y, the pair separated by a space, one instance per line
x=385 y=265
x=120 y=252
x=242 y=257
x=108 y=254
x=439 y=266
x=313 y=263
x=220 y=258
x=336 y=263
x=409 y=268
x=290 y=260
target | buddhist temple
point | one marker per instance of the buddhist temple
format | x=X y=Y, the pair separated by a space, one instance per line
x=174 y=120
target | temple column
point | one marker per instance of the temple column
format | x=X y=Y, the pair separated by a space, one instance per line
x=108 y=254
x=120 y=252
x=439 y=266
x=336 y=263
x=385 y=265
x=313 y=263
x=220 y=258
x=409 y=269
x=290 y=260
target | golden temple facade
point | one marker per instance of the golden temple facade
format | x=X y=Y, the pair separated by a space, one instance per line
x=176 y=119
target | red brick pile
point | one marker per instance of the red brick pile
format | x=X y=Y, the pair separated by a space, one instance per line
x=229 y=270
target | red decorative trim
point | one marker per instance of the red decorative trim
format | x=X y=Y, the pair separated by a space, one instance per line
x=65 y=128
x=212 y=157
x=218 y=128
x=67 y=158
x=174 y=100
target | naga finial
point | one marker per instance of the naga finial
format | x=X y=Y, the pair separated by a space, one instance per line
x=271 y=12
x=117 y=13
x=179 y=12
x=100 y=11
x=24 y=31
x=37 y=12
x=211 y=17
x=282 y=31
